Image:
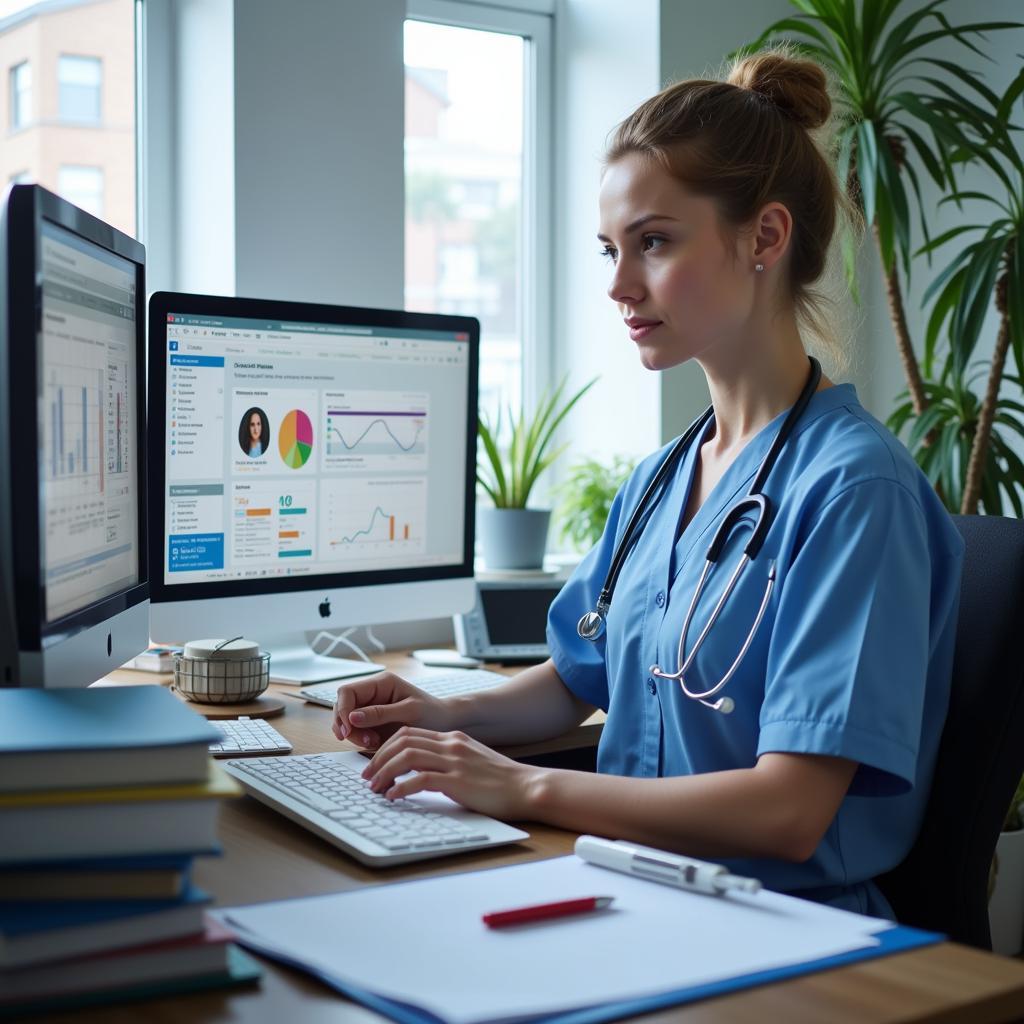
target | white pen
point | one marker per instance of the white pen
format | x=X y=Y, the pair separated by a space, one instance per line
x=661 y=866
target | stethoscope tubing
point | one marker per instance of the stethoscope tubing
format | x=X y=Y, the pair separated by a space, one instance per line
x=591 y=624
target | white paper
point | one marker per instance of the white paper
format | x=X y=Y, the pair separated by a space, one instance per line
x=423 y=942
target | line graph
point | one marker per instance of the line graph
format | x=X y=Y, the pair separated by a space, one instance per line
x=384 y=433
x=376 y=430
x=373 y=517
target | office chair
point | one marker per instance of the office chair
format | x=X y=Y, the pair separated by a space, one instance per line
x=943 y=883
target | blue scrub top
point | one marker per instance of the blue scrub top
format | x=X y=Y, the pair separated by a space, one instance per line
x=853 y=657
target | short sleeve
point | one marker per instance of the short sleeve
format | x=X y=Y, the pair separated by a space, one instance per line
x=581 y=663
x=848 y=658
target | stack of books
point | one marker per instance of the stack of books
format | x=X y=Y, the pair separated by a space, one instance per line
x=106 y=796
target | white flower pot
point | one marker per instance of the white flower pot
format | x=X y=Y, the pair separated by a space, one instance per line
x=1006 y=908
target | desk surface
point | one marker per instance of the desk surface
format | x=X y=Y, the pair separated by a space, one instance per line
x=267 y=857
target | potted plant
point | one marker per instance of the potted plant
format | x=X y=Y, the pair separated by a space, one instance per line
x=585 y=498
x=1006 y=898
x=512 y=535
x=904 y=111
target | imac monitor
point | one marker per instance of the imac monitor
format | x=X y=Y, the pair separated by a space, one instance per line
x=73 y=542
x=312 y=467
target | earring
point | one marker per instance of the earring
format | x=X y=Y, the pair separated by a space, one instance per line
x=759 y=267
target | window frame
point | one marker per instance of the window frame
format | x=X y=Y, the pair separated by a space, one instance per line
x=15 y=95
x=78 y=121
x=531 y=19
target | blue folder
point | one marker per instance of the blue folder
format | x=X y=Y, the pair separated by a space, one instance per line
x=892 y=940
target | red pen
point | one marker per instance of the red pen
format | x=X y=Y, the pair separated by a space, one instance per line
x=543 y=911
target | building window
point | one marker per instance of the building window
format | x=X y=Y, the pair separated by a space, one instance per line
x=75 y=82
x=21 y=95
x=21 y=178
x=471 y=182
x=79 y=81
x=82 y=186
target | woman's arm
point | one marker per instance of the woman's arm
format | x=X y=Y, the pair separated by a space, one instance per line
x=780 y=808
x=534 y=705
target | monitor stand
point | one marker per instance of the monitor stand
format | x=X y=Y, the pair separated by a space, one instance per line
x=296 y=664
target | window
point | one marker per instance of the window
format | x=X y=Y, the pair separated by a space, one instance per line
x=82 y=186
x=21 y=178
x=476 y=96
x=73 y=83
x=79 y=80
x=21 y=95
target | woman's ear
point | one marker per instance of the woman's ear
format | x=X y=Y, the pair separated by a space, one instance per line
x=772 y=234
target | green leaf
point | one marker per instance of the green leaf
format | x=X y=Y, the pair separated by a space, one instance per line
x=975 y=299
x=1012 y=94
x=926 y=155
x=944 y=305
x=896 y=196
x=867 y=169
x=965 y=76
x=495 y=486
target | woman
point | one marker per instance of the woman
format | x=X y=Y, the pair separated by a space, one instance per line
x=254 y=433
x=717 y=209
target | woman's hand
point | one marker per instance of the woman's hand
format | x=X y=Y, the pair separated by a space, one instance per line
x=370 y=710
x=456 y=765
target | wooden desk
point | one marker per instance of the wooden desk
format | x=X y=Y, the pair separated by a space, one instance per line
x=267 y=857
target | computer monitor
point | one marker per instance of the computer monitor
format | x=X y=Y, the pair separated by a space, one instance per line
x=74 y=580
x=311 y=467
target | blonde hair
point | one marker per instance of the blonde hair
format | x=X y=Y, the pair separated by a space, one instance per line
x=749 y=140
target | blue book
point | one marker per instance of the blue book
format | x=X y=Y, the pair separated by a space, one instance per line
x=32 y=933
x=100 y=736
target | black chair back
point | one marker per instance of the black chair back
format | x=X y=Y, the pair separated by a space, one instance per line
x=943 y=883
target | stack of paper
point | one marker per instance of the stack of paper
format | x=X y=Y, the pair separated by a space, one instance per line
x=423 y=953
x=106 y=796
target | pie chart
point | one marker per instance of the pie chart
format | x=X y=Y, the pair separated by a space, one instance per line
x=295 y=439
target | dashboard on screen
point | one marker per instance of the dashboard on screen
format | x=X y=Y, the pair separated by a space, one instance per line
x=298 y=448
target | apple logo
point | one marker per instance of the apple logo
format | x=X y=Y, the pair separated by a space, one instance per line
x=325 y=608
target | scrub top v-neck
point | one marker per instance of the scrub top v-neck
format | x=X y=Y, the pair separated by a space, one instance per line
x=853 y=656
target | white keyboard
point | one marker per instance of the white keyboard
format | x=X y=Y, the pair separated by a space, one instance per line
x=440 y=683
x=327 y=794
x=244 y=736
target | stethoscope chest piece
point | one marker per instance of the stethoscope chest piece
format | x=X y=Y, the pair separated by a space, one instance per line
x=590 y=626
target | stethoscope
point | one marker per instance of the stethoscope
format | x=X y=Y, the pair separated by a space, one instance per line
x=591 y=625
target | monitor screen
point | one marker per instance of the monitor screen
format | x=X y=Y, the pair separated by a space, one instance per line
x=297 y=448
x=87 y=413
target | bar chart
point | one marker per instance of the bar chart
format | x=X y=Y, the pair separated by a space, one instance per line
x=374 y=519
x=73 y=428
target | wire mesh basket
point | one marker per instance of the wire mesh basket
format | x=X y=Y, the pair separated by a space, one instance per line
x=221 y=681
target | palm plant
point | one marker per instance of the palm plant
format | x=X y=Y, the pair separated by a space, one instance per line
x=873 y=58
x=990 y=267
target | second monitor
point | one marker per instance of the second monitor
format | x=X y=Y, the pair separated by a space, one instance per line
x=311 y=466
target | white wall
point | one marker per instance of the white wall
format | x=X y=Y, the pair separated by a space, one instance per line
x=319 y=158
x=274 y=148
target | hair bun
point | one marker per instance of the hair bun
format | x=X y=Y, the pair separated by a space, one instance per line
x=797 y=87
